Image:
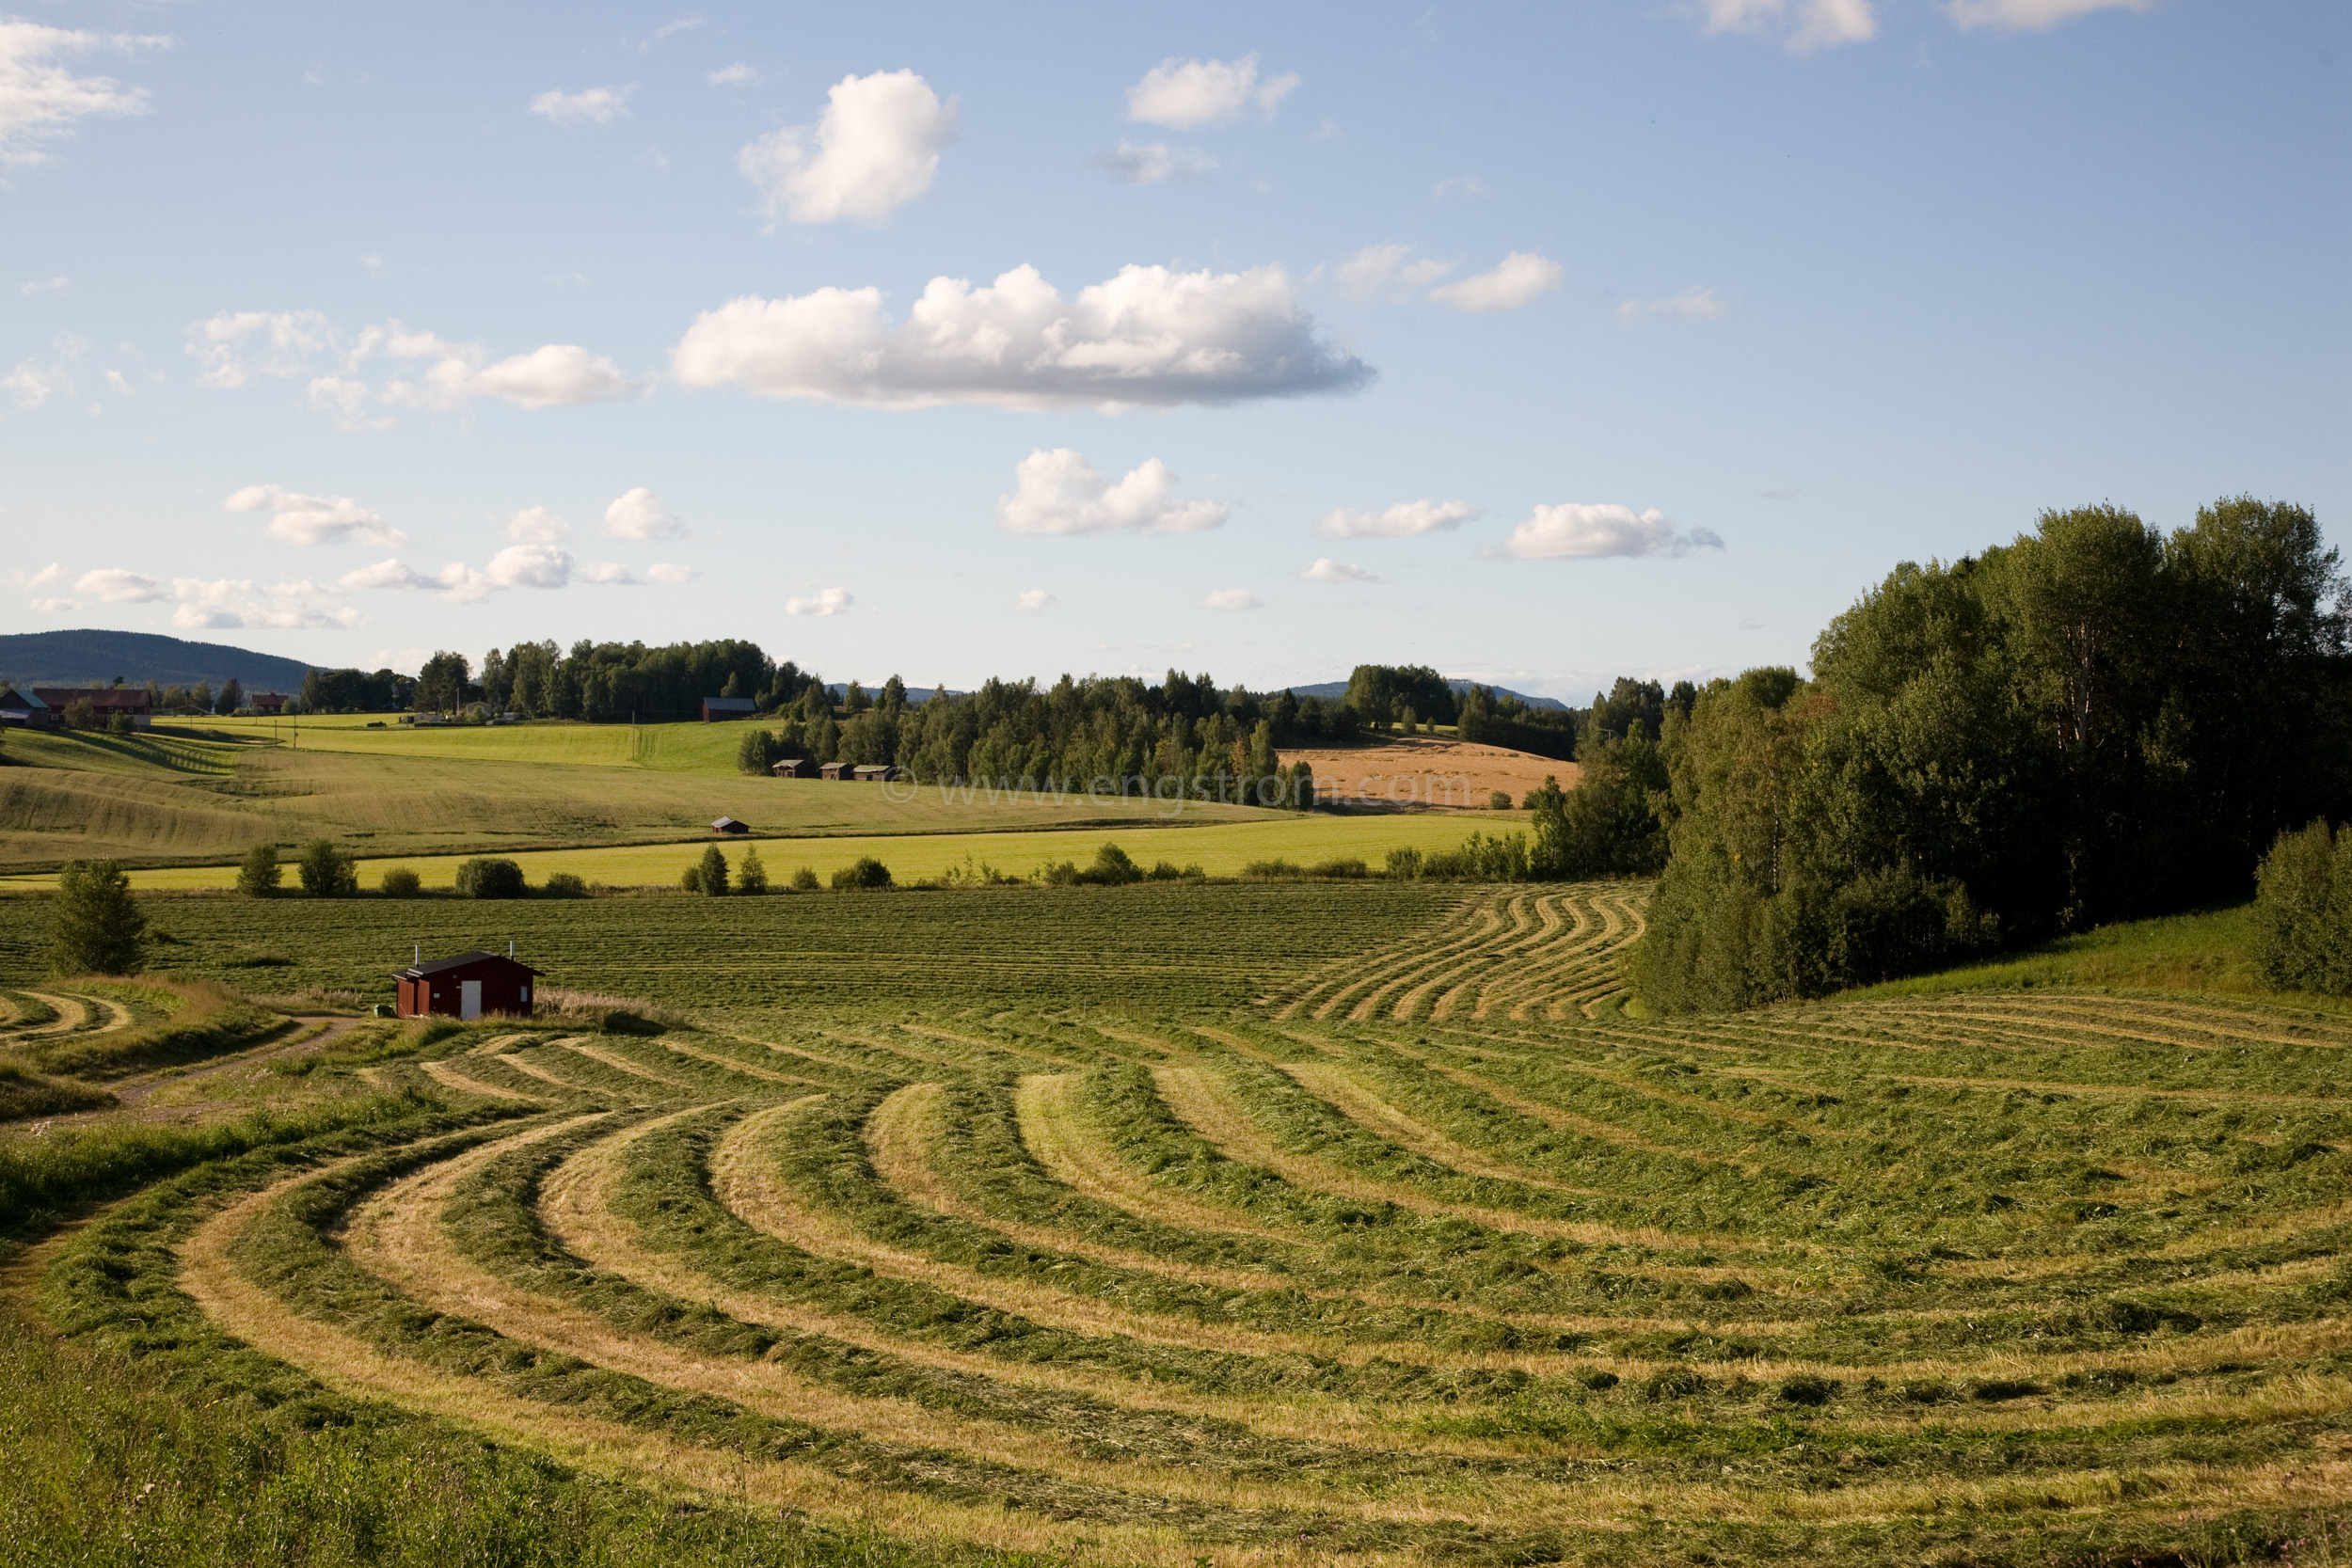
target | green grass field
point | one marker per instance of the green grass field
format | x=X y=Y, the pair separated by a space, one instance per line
x=1234 y=1223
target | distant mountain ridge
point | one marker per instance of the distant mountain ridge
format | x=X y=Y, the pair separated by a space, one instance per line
x=1328 y=689
x=90 y=656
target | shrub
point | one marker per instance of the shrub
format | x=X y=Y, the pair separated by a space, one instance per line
x=1053 y=874
x=485 y=877
x=1267 y=871
x=1165 y=871
x=1345 y=866
x=1499 y=800
x=95 y=925
x=864 y=872
x=1113 y=868
x=564 y=884
x=326 y=872
x=257 y=873
x=2303 y=912
x=805 y=881
x=401 y=882
x=752 y=876
x=1404 y=864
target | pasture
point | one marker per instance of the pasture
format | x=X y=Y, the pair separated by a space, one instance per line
x=1256 y=1224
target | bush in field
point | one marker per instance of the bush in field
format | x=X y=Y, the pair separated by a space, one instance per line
x=805 y=881
x=864 y=872
x=1112 y=868
x=95 y=925
x=258 y=874
x=1267 y=871
x=1404 y=864
x=1345 y=867
x=1168 y=871
x=401 y=882
x=707 y=876
x=325 y=871
x=2303 y=912
x=1499 y=800
x=563 y=884
x=486 y=878
x=752 y=877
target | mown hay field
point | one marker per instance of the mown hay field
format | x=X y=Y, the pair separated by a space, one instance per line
x=1376 y=1232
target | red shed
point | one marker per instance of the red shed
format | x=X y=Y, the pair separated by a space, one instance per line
x=465 y=986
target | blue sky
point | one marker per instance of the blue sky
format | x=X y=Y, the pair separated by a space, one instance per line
x=1540 y=343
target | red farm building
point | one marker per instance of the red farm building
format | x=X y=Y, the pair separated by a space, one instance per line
x=465 y=986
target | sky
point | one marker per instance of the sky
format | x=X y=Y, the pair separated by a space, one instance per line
x=1540 y=343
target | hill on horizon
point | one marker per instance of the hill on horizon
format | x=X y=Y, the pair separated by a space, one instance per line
x=91 y=656
x=1328 y=689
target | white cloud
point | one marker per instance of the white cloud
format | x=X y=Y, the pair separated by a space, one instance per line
x=1691 y=305
x=116 y=380
x=1148 y=337
x=298 y=519
x=876 y=149
x=1573 y=531
x=529 y=566
x=114 y=585
x=48 y=577
x=237 y=345
x=373 y=267
x=1327 y=570
x=1801 y=24
x=44 y=285
x=1401 y=521
x=33 y=385
x=1516 y=281
x=2031 y=16
x=663 y=571
x=1460 y=184
x=590 y=106
x=638 y=514
x=735 y=75
x=1232 y=598
x=526 y=565
x=552 y=375
x=609 y=573
x=50 y=607
x=1181 y=94
x=39 y=99
x=1033 y=600
x=1153 y=163
x=536 y=525
x=1387 y=270
x=1059 y=492
x=825 y=601
x=384 y=574
x=226 y=603
x=683 y=24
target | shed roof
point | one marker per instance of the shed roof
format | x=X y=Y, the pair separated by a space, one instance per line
x=730 y=704
x=729 y=825
x=12 y=697
x=463 y=960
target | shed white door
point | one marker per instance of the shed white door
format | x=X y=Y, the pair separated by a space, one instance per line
x=468 y=999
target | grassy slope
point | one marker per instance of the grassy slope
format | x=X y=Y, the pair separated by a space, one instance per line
x=175 y=799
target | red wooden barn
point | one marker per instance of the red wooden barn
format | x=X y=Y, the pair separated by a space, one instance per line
x=465 y=986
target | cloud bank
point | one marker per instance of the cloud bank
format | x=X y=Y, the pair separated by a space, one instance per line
x=41 y=99
x=1149 y=336
x=299 y=519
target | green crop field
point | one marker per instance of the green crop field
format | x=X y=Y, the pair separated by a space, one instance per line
x=202 y=797
x=1175 y=1224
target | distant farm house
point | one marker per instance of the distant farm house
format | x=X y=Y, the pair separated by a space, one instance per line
x=23 y=708
x=793 y=767
x=132 y=702
x=729 y=825
x=465 y=986
x=268 y=702
x=727 y=707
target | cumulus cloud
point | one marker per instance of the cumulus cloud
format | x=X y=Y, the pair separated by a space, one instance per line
x=518 y=565
x=1804 y=25
x=609 y=573
x=825 y=601
x=1181 y=94
x=48 y=577
x=875 y=149
x=1154 y=162
x=1327 y=570
x=1149 y=336
x=1573 y=531
x=1387 y=272
x=41 y=99
x=1032 y=600
x=33 y=385
x=115 y=585
x=1401 y=521
x=235 y=346
x=663 y=571
x=536 y=525
x=299 y=519
x=638 y=514
x=1691 y=305
x=735 y=75
x=1059 y=492
x=590 y=106
x=227 y=603
x=1519 y=279
x=1232 y=598
x=2031 y=16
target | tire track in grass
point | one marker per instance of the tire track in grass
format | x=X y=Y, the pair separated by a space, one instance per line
x=347 y=1364
x=72 y=1014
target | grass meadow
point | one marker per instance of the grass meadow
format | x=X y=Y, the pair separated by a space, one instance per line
x=1228 y=1223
